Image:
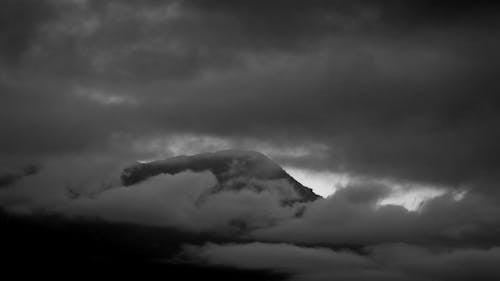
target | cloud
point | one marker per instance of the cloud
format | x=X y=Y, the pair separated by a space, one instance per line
x=387 y=262
x=62 y=180
x=20 y=24
x=447 y=264
x=364 y=193
x=385 y=88
x=356 y=213
x=10 y=176
x=90 y=187
x=174 y=200
x=353 y=215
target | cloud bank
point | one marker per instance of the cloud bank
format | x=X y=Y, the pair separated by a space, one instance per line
x=385 y=262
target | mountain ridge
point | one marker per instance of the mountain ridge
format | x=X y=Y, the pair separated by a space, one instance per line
x=233 y=170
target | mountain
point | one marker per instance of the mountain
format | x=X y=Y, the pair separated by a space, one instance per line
x=233 y=170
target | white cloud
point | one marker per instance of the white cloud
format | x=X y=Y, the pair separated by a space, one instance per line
x=411 y=198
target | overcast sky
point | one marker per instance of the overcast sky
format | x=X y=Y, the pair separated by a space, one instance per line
x=386 y=101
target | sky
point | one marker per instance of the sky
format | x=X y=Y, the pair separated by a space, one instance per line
x=390 y=110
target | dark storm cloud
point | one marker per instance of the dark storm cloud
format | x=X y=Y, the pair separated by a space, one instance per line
x=364 y=192
x=19 y=25
x=10 y=176
x=403 y=90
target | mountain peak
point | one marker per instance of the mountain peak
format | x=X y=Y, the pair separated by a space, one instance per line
x=233 y=169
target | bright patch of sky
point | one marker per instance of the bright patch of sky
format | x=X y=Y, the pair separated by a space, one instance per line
x=323 y=183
